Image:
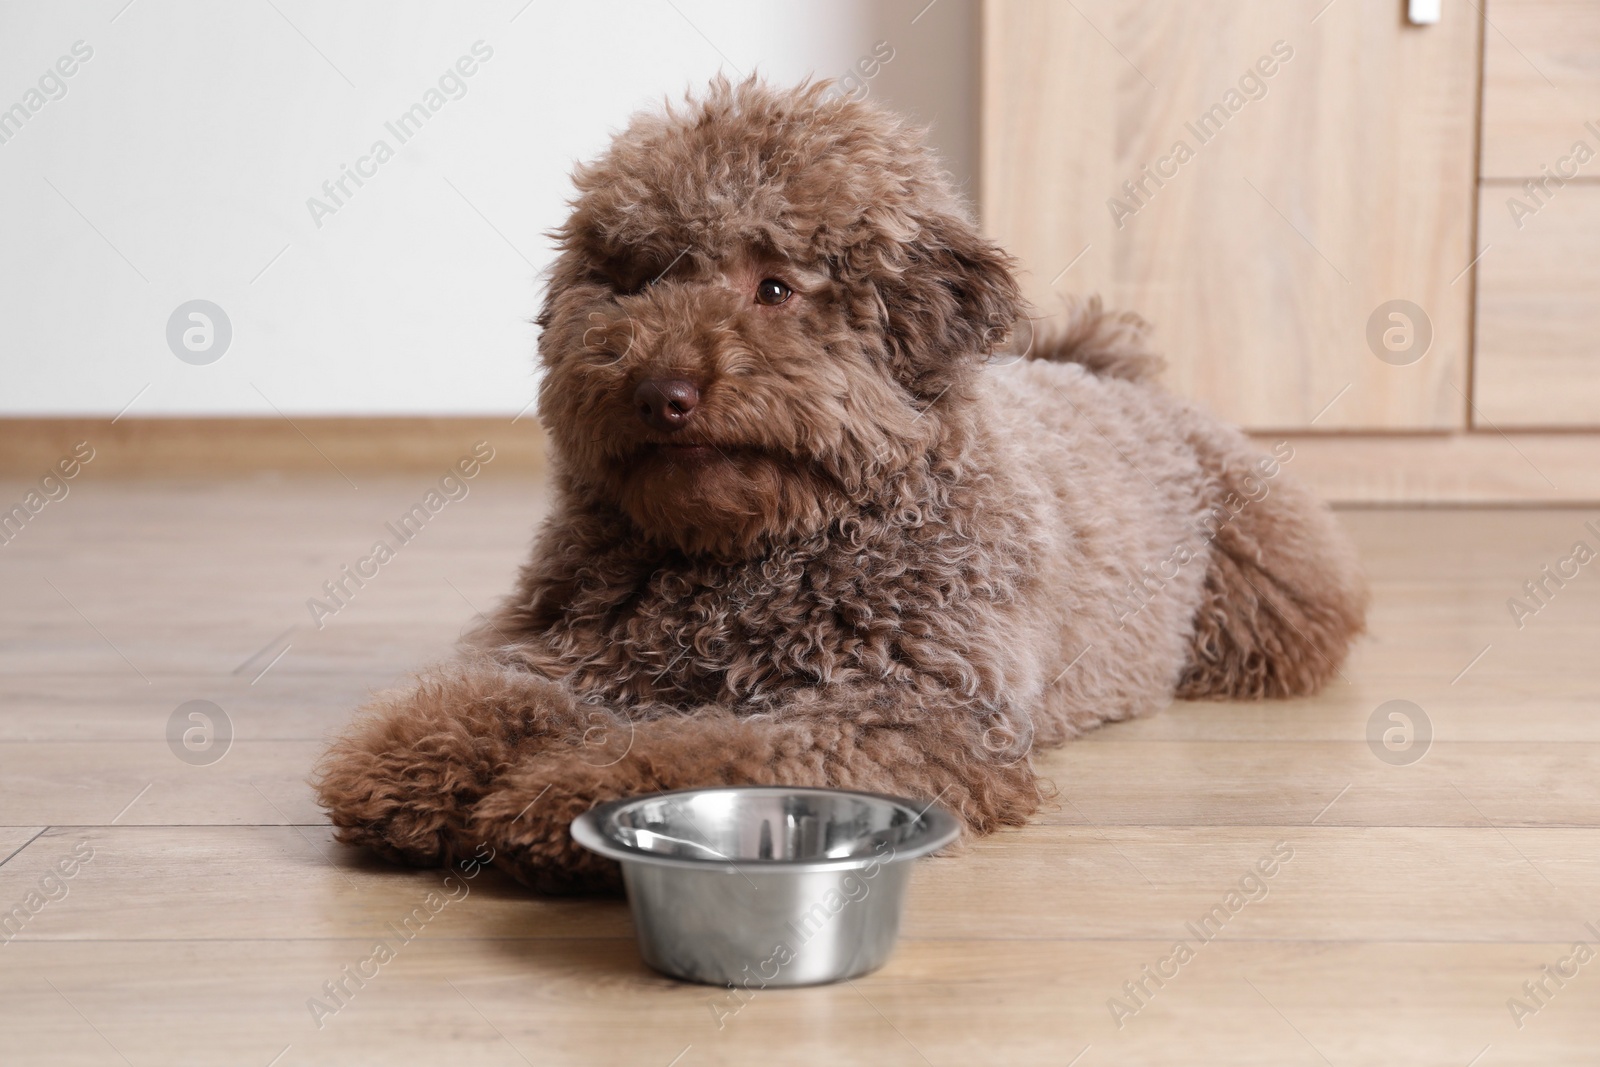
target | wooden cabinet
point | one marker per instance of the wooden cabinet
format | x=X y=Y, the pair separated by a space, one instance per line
x=1266 y=180
x=1255 y=183
x=1538 y=339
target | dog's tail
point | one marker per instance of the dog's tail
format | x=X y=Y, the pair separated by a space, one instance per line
x=1113 y=344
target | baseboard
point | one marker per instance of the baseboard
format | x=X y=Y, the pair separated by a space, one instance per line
x=1456 y=469
x=208 y=447
x=1448 y=469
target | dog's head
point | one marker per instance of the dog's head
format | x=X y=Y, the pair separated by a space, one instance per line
x=764 y=306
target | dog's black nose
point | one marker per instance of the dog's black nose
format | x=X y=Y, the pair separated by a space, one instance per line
x=666 y=403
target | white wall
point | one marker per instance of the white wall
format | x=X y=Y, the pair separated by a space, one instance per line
x=178 y=163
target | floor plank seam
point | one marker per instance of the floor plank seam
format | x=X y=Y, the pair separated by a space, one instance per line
x=18 y=850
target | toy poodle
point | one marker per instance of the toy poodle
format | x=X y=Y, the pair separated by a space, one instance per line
x=819 y=520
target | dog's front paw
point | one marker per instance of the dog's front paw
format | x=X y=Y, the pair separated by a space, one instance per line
x=527 y=820
x=527 y=816
x=404 y=780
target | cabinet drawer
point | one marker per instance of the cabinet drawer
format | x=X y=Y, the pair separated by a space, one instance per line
x=1538 y=338
x=1541 y=85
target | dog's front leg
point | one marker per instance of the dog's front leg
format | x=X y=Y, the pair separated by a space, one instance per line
x=404 y=779
x=907 y=744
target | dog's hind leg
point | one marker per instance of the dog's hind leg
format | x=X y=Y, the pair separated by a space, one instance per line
x=1284 y=592
x=926 y=751
x=404 y=779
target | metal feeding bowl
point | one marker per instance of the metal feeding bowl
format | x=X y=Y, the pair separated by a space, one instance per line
x=765 y=886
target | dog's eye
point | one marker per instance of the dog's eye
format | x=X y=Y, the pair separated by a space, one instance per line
x=772 y=292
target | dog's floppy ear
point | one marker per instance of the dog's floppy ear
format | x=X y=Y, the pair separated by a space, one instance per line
x=948 y=300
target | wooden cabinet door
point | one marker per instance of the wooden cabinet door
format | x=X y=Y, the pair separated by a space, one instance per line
x=1261 y=179
x=1537 y=363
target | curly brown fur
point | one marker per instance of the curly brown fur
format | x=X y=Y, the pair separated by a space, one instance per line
x=1284 y=593
x=867 y=558
x=406 y=777
x=1113 y=344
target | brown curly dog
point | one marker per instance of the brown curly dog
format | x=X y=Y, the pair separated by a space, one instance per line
x=809 y=530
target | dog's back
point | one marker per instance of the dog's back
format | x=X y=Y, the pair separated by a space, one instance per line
x=1282 y=594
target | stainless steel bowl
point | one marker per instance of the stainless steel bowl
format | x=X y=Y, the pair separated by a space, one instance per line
x=765 y=886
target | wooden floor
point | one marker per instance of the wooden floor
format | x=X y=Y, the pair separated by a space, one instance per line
x=213 y=908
